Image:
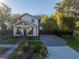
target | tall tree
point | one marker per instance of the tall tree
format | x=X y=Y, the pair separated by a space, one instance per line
x=5 y=14
x=59 y=19
x=48 y=23
x=67 y=7
x=65 y=13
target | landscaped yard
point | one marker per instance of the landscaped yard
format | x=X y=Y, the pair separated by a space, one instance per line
x=72 y=42
x=64 y=21
x=33 y=49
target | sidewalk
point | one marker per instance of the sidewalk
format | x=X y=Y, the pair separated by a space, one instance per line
x=10 y=51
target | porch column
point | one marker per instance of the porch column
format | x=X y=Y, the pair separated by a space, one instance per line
x=14 y=31
x=35 y=31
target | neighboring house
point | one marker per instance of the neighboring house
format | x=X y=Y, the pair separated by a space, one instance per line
x=26 y=25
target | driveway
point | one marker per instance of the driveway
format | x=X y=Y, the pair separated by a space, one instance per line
x=57 y=48
x=52 y=40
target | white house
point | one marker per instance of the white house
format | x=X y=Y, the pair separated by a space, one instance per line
x=26 y=25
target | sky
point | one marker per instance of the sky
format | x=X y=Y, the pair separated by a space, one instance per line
x=34 y=7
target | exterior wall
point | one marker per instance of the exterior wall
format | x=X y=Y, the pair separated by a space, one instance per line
x=26 y=18
x=36 y=22
x=30 y=18
x=37 y=31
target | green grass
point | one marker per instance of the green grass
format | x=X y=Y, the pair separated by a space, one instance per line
x=9 y=41
x=72 y=42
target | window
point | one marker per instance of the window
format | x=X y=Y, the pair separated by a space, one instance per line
x=31 y=30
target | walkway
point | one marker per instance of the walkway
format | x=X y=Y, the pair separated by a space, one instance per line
x=10 y=51
x=57 y=48
x=11 y=48
x=52 y=40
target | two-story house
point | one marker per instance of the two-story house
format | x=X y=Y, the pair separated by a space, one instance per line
x=26 y=25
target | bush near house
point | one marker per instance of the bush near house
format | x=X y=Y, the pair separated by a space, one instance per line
x=63 y=32
x=46 y=32
x=57 y=32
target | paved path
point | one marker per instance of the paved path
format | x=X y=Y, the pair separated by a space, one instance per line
x=10 y=51
x=11 y=48
x=52 y=40
x=57 y=48
x=8 y=45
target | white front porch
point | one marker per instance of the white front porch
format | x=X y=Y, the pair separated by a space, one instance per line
x=25 y=30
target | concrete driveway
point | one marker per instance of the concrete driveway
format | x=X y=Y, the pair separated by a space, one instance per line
x=52 y=40
x=57 y=48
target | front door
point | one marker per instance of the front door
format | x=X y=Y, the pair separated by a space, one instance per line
x=25 y=32
x=30 y=31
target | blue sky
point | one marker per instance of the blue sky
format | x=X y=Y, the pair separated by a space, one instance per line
x=32 y=6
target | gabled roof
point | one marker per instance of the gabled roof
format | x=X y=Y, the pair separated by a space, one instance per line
x=25 y=15
x=26 y=22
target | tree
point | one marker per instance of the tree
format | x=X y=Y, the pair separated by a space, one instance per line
x=5 y=15
x=58 y=18
x=67 y=7
x=68 y=23
x=65 y=14
x=48 y=23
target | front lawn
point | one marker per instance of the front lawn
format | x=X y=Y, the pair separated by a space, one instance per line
x=72 y=42
x=9 y=41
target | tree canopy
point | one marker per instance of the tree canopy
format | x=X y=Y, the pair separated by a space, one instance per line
x=68 y=7
x=66 y=13
x=48 y=23
x=5 y=15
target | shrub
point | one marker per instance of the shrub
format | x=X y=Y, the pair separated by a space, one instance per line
x=76 y=34
x=35 y=47
x=43 y=51
x=37 y=38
